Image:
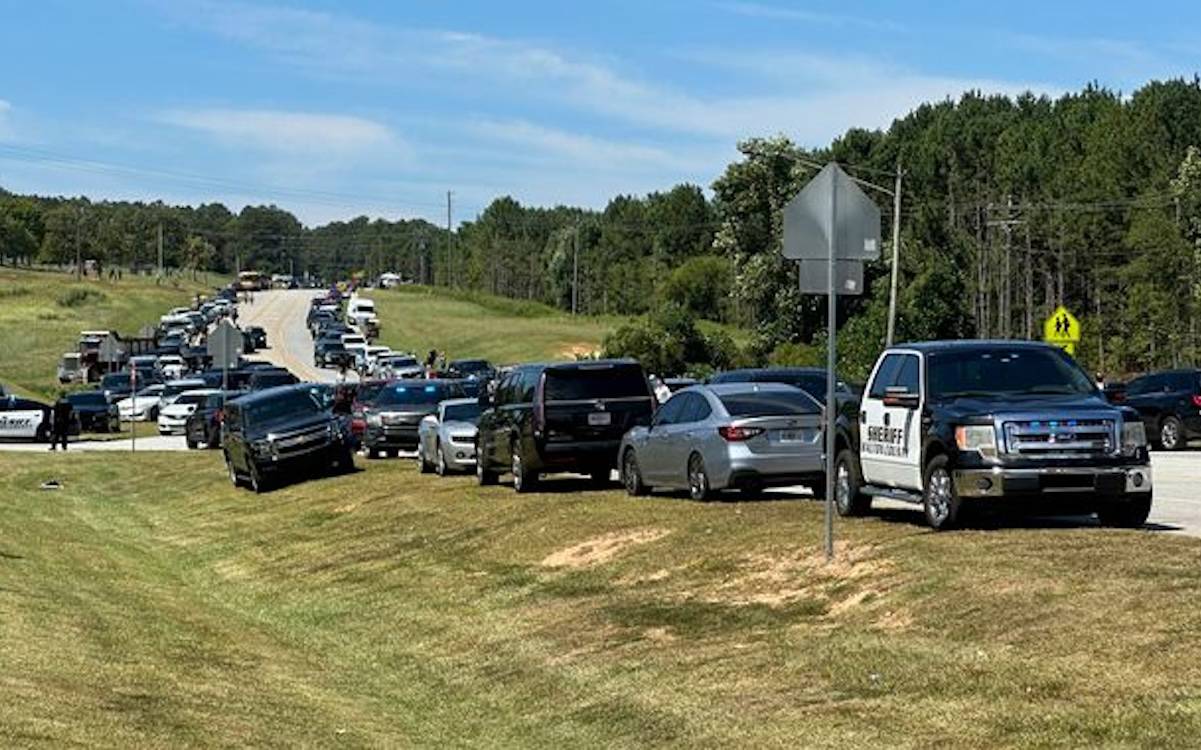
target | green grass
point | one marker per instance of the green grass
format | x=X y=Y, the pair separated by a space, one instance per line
x=469 y=324
x=42 y=313
x=149 y=604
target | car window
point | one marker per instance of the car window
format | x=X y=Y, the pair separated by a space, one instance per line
x=908 y=376
x=1184 y=381
x=886 y=374
x=1137 y=387
x=669 y=413
x=768 y=403
x=696 y=409
x=587 y=383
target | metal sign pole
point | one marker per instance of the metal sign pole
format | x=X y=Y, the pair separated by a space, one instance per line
x=831 y=356
x=133 y=402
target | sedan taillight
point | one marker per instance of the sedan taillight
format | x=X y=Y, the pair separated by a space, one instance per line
x=734 y=434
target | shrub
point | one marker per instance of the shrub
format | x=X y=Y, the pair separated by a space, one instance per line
x=79 y=296
x=700 y=286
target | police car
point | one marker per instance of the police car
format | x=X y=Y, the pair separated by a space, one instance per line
x=24 y=419
x=949 y=424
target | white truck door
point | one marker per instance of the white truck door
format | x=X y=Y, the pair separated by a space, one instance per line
x=890 y=423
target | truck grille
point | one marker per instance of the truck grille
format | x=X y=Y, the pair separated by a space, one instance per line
x=1060 y=437
x=302 y=442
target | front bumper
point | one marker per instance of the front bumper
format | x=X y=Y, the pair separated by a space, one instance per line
x=172 y=425
x=459 y=455
x=391 y=437
x=1053 y=481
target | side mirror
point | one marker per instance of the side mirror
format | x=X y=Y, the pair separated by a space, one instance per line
x=900 y=396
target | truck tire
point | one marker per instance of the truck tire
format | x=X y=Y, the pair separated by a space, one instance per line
x=234 y=479
x=524 y=480
x=1171 y=434
x=940 y=502
x=849 y=499
x=484 y=477
x=1130 y=512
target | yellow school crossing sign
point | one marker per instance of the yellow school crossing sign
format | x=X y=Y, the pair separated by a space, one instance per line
x=1063 y=330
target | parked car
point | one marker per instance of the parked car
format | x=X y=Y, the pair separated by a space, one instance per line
x=393 y=417
x=560 y=418
x=446 y=438
x=744 y=436
x=264 y=378
x=94 y=412
x=268 y=433
x=172 y=366
x=203 y=426
x=24 y=419
x=142 y=406
x=331 y=352
x=471 y=369
x=811 y=380
x=173 y=418
x=364 y=397
x=258 y=336
x=116 y=386
x=173 y=389
x=397 y=366
x=1169 y=404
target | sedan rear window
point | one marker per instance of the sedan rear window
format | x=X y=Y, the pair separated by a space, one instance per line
x=768 y=403
x=587 y=383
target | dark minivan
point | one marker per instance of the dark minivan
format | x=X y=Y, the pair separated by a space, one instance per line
x=560 y=418
x=290 y=428
x=1170 y=405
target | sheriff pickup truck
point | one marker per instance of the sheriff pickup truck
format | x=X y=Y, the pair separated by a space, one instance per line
x=947 y=425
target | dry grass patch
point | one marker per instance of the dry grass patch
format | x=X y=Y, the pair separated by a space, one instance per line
x=601 y=549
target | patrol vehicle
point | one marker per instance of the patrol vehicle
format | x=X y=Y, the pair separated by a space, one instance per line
x=950 y=424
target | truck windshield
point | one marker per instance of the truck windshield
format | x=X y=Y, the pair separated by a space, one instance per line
x=412 y=395
x=463 y=413
x=991 y=372
x=297 y=403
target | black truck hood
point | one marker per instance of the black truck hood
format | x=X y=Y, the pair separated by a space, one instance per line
x=969 y=407
x=287 y=424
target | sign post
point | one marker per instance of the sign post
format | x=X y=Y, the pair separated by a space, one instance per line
x=225 y=347
x=133 y=396
x=1062 y=330
x=831 y=227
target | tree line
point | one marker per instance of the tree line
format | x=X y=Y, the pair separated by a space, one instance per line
x=1010 y=207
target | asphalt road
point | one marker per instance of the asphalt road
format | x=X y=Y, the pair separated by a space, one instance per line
x=282 y=314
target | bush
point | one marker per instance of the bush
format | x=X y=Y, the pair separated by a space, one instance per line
x=796 y=355
x=700 y=286
x=79 y=296
x=669 y=343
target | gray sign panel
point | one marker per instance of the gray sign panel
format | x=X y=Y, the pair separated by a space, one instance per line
x=848 y=277
x=807 y=219
x=225 y=344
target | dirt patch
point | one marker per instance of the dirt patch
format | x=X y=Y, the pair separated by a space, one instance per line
x=601 y=549
x=576 y=351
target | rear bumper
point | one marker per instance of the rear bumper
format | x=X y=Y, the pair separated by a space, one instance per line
x=1100 y=481
x=577 y=455
x=771 y=470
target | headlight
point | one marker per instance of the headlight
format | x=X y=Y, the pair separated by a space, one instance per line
x=374 y=420
x=1134 y=436
x=980 y=438
x=261 y=447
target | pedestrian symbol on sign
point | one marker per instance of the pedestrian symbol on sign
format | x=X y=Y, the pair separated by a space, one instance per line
x=1063 y=330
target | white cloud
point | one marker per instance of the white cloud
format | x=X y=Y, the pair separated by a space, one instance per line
x=286 y=132
x=541 y=143
x=778 y=13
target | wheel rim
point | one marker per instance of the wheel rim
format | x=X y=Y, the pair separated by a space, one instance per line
x=938 y=496
x=517 y=470
x=441 y=462
x=254 y=478
x=698 y=483
x=630 y=473
x=233 y=475
x=842 y=487
x=1169 y=434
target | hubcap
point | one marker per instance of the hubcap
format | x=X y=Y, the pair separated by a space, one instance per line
x=696 y=479
x=516 y=470
x=842 y=487
x=441 y=461
x=631 y=474
x=938 y=495
x=1169 y=435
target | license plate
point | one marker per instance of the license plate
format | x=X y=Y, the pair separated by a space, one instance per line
x=789 y=436
x=600 y=419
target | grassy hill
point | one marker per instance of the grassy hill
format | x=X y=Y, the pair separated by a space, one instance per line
x=42 y=313
x=149 y=604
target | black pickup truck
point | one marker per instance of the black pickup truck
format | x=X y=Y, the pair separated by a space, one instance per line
x=949 y=424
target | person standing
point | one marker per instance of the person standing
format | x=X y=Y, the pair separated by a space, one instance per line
x=60 y=421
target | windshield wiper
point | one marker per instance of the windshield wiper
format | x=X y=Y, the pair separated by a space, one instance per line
x=1065 y=390
x=970 y=394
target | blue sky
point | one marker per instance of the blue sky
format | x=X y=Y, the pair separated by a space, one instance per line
x=338 y=109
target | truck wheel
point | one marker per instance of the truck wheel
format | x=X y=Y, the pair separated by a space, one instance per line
x=234 y=479
x=483 y=477
x=940 y=501
x=255 y=479
x=699 y=488
x=423 y=465
x=523 y=479
x=1171 y=434
x=849 y=499
x=631 y=475
x=192 y=444
x=1128 y=513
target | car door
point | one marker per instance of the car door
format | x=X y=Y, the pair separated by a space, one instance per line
x=653 y=457
x=890 y=423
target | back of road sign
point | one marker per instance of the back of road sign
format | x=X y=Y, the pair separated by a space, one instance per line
x=807 y=220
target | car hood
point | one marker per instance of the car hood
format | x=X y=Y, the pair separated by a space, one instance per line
x=141 y=402
x=178 y=410
x=964 y=408
x=459 y=428
x=286 y=424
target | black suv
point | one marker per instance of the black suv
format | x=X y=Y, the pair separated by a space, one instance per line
x=94 y=412
x=393 y=414
x=560 y=418
x=282 y=428
x=270 y=377
x=204 y=424
x=1170 y=406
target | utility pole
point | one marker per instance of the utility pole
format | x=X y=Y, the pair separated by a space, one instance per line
x=449 y=239
x=160 y=248
x=78 y=249
x=575 y=271
x=1004 y=305
x=896 y=254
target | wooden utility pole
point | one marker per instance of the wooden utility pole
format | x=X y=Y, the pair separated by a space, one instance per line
x=1005 y=288
x=78 y=249
x=896 y=254
x=575 y=271
x=160 y=248
x=449 y=239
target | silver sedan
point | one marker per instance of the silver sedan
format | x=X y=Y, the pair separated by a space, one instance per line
x=709 y=438
x=446 y=439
